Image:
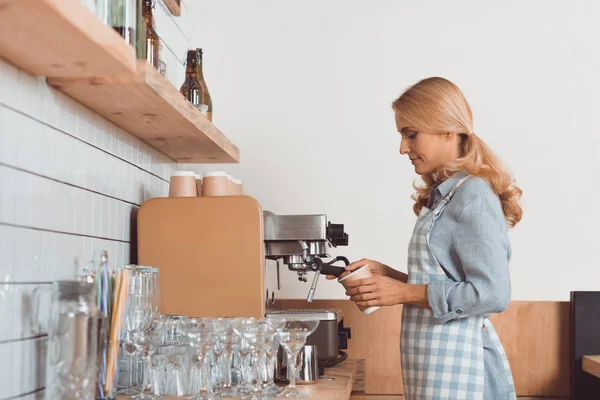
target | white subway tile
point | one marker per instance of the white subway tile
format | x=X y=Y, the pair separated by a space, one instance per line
x=28 y=364
x=114 y=137
x=120 y=217
x=48 y=161
x=105 y=233
x=80 y=123
x=127 y=222
x=9 y=82
x=70 y=107
x=26 y=93
x=70 y=208
x=6 y=367
x=120 y=143
x=8 y=213
x=126 y=253
x=38 y=202
x=50 y=108
x=62 y=121
x=7 y=254
x=28 y=246
x=23 y=211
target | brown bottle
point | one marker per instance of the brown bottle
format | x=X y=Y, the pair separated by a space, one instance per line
x=191 y=88
x=152 y=40
x=207 y=97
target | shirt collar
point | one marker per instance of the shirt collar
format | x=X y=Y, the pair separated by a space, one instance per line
x=446 y=186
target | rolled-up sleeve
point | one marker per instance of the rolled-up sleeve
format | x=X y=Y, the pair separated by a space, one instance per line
x=480 y=241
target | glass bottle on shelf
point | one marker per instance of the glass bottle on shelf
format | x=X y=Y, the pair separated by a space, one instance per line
x=207 y=97
x=191 y=88
x=140 y=34
x=152 y=40
x=123 y=18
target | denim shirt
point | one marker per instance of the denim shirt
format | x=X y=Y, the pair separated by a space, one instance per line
x=470 y=241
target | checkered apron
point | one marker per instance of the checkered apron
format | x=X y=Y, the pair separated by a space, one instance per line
x=441 y=361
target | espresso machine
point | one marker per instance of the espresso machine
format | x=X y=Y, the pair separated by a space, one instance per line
x=301 y=242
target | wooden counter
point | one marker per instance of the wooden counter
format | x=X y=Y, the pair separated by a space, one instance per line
x=591 y=365
x=337 y=389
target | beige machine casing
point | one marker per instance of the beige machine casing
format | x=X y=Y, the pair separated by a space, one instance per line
x=210 y=252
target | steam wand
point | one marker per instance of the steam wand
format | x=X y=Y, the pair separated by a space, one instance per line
x=325 y=269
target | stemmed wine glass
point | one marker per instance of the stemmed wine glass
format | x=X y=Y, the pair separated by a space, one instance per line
x=292 y=338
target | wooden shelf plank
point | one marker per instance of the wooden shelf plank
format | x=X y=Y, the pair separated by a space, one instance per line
x=61 y=38
x=174 y=6
x=591 y=365
x=89 y=61
x=148 y=106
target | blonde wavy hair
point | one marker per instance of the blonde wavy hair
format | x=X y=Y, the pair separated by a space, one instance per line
x=437 y=105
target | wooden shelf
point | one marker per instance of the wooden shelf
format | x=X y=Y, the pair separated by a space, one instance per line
x=61 y=38
x=174 y=6
x=89 y=61
x=591 y=365
x=148 y=106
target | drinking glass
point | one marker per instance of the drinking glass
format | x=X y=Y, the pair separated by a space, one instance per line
x=292 y=337
x=268 y=349
x=202 y=335
x=139 y=315
x=247 y=330
x=172 y=356
x=227 y=343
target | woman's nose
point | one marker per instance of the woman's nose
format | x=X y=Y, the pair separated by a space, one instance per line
x=404 y=149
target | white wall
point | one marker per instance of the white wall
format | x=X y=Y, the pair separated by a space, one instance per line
x=304 y=89
x=70 y=183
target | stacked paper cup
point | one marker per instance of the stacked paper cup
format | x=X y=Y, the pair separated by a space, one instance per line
x=214 y=183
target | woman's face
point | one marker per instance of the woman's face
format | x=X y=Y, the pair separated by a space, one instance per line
x=427 y=151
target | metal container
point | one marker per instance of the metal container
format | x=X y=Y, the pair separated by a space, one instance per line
x=308 y=365
x=307 y=371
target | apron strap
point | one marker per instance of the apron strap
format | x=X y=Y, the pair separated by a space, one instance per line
x=446 y=199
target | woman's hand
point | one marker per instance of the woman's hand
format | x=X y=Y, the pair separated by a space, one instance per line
x=386 y=291
x=376 y=268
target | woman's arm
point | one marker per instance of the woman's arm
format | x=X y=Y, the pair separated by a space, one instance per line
x=481 y=243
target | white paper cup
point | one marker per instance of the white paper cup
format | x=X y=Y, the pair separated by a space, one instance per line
x=361 y=273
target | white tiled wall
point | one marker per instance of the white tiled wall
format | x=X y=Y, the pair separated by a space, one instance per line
x=71 y=182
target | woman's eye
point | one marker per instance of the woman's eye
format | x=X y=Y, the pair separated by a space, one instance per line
x=411 y=135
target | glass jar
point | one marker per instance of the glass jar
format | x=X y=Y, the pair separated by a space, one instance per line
x=73 y=342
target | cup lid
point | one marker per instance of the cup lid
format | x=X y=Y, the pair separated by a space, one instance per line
x=184 y=173
x=215 y=173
